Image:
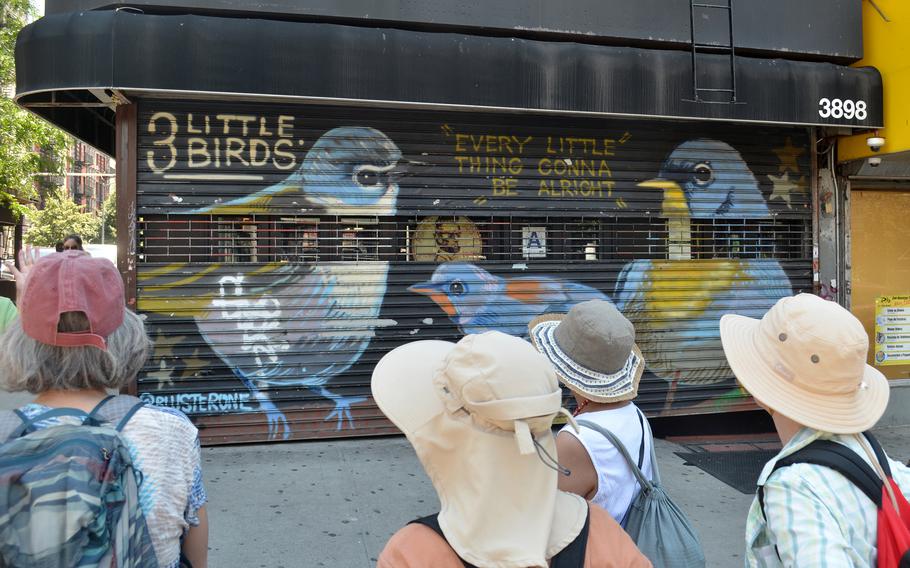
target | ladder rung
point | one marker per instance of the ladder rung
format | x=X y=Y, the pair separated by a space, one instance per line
x=718 y=6
x=714 y=48
x=703 y=101
x=713 y=90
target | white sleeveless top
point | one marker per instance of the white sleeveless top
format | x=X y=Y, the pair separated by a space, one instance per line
x=616 y=484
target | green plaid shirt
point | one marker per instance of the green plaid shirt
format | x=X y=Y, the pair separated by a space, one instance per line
x=815 y=516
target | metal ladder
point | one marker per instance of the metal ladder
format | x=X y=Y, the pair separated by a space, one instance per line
x=697 y=48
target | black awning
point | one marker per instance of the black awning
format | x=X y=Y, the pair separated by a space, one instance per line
x=62 y=58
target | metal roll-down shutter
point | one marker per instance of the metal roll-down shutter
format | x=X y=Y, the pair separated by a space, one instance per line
x=284 y=249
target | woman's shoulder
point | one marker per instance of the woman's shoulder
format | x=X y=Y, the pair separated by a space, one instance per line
x=162 y=419
x=166 y=413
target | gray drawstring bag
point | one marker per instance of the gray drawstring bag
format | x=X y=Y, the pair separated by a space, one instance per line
x=658 y=527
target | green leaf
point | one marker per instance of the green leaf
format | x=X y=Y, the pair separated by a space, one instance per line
x=59 y=218
x=32 y=151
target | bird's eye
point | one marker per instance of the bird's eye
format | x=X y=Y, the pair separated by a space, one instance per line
x=703 y=174
x=367 y=178
x=457 y=288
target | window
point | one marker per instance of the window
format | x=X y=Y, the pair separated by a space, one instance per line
x=238 y=241
x=297 y=240
x=7 y=241
x=357 y=239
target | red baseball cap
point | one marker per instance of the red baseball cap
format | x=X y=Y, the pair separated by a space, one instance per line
x=72 y=281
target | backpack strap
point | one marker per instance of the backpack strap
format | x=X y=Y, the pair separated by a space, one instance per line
x=11 y=424
x=572 y=556
x=655 y=470
x=117 y=410
x=636 y=471
x=113 y=409
x=841 y=459
x=879 y=453
x=93 y=415
x=28 y=424
x=432 y=522
x=641 y=448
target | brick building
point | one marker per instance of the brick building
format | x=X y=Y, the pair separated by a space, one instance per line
x=89 y=175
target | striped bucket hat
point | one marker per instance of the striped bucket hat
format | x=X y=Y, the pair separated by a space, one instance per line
x=593 y=350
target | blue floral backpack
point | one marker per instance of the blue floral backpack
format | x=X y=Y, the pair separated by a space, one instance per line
x=69 y=495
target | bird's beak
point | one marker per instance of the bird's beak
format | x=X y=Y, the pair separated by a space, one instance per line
x=435 y=294
x=674 y=202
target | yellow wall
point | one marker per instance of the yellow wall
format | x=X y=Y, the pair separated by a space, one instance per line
x=880 y=257
x=886 y=46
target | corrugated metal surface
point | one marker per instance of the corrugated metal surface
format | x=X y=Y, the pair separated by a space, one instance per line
x=283 y=250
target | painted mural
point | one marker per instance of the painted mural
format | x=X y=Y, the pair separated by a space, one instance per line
x=348 y=171
x=441 y=239
x=474 y=228
x=279 y=325
x=477 y=301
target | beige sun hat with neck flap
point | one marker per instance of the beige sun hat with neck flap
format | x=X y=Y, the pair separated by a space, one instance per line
x=593 y=350
x=806 y=359
x=479 y=415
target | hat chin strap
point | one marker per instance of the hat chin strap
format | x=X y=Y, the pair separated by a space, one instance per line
x=524 y=437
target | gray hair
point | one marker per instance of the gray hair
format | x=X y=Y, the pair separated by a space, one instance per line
x=29 y=365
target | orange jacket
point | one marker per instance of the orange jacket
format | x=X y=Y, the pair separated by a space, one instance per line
x=417 y=546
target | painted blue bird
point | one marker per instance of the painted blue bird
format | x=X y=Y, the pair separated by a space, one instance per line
x=278 y=325
x=350 y=170
x=676 y=304
x=478 y=301
x=676 y=307
x=714 y=180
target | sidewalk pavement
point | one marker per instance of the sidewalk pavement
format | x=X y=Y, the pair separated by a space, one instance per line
x=336 y=503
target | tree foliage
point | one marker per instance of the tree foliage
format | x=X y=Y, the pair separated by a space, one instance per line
x=59 y=218
x=28 y=144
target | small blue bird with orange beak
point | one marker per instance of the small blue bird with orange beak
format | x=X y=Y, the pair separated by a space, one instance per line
x=478 y=301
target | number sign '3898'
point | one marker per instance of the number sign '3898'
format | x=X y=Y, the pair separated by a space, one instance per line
x=842 y=108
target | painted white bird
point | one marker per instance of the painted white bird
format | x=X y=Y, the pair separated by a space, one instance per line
x=278 y=325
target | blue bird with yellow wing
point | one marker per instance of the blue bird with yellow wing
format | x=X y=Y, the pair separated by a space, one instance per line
x=676 y=304
x=712 y=180
x=478 y=301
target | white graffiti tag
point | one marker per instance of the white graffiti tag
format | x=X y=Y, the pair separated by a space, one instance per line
x=256 y=319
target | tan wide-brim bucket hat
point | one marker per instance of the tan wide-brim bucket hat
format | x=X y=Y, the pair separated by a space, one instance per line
x=806 y=359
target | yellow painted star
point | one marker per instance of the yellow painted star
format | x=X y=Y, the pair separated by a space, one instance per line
x=783 y=188
x=788 y=156
x=163 y=375
x=164 y=344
